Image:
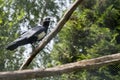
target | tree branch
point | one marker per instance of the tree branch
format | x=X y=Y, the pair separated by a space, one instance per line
x=58 y=70
x=59 y=26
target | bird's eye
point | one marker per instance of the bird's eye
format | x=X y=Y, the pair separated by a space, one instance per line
x=48 y=18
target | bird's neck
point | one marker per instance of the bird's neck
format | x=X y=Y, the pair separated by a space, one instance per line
x=46 y=24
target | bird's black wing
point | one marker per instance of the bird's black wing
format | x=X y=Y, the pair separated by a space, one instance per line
x=32 y=32
x=24 y=39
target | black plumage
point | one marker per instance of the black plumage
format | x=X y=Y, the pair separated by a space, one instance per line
x=31 y=36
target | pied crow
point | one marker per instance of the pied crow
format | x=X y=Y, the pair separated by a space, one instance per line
x=31 y=36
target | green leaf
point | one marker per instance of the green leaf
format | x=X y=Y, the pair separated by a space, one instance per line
x=1 y=21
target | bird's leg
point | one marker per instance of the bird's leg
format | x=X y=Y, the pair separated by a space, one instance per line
x=33 y=46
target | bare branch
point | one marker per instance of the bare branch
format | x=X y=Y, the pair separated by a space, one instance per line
x=59 y=26
x=58 y=70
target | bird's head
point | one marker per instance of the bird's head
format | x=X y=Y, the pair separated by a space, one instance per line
x=46 y=21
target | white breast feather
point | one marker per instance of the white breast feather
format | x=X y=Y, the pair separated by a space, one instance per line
x=41 y=35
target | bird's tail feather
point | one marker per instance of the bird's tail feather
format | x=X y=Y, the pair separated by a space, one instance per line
x=12 y=46
x=16 y=43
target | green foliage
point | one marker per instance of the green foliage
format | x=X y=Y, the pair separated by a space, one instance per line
x=91 y=32
x=15 y=14
x=6 y=57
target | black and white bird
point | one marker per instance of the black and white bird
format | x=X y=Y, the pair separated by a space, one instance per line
x=31 y=36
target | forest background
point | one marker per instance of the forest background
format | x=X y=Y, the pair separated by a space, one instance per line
x=92 y=31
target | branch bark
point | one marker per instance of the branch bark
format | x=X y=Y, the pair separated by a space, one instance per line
x=58 y=70
x=59 y=26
